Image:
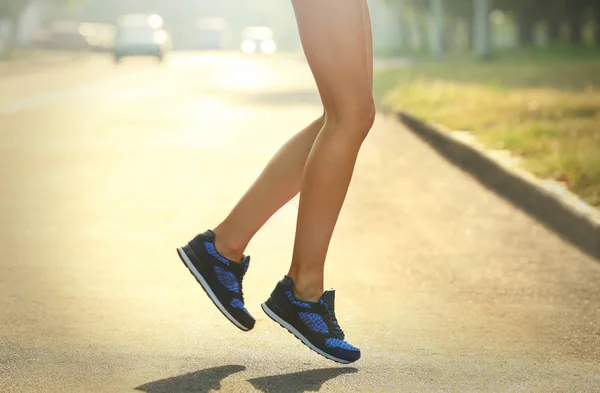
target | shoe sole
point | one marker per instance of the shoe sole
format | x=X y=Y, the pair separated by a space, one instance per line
x=299 y=335
x=188 y=263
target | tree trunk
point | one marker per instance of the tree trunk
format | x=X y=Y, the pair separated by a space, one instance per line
x=423 y=33
x=471 y=33
x=12 y=39
x=437 y=27
x=404 y=25
x=449 y=37
x=483 y=28
x=526 y=21
x=596 y=16
x=553 y=23
x=553 y=13
x=576 y=26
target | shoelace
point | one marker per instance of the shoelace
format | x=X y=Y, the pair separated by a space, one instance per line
x=336 y=327
x=240 y=274
x=244 y=270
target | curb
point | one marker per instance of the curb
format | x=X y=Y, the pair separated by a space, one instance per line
x=549 y=203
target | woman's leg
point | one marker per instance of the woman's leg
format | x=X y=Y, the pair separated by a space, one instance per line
x=277 y=184
x=280 y=180
x=337 y=42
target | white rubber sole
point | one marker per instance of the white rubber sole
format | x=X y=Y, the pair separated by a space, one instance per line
x=206 y=288
x=298 y=335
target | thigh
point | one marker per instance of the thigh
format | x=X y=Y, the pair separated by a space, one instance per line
x=336 y=38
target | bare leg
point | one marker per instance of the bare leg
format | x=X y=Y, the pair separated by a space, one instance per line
x=337 y=42
x=277 y=184
x=281 y=179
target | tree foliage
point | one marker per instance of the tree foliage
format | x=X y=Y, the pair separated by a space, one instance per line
x=11 y=9
x=555 y=14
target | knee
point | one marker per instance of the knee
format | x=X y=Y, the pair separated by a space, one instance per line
x=356 y=115
x=363 y=114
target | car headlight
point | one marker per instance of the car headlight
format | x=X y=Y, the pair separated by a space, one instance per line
x=248 y=46
x=268 y=46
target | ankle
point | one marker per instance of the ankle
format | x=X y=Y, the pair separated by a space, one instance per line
x=308 y=289
x=226 y=247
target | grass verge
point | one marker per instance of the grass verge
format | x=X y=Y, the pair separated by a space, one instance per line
x=541 y=105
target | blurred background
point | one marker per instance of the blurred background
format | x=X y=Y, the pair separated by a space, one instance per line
x=401 y=27
x=128 y=126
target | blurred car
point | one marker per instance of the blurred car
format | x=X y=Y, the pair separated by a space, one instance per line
x=63 y=35
x=100 y=36
x=258 y=39
x=75 y=36
x=140 y=35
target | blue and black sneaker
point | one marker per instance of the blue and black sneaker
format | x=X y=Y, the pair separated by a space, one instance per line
x=313 y=323
x=221 y=278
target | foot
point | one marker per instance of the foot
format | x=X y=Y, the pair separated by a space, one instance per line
x=313 y=323
x=221 y=278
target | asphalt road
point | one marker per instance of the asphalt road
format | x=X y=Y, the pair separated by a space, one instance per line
x=105 y=170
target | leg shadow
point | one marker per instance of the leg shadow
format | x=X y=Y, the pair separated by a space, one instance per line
x=300 y=382
x=202 y=381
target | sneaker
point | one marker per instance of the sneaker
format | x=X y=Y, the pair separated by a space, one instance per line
x=221 y=278
x=313 y=323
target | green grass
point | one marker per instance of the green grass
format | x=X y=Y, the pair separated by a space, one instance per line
x=542 y=105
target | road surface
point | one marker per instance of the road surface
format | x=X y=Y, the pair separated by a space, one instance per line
x=106 y=170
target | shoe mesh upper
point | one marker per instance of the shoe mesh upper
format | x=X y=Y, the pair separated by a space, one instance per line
x=237 y=303
x=227 y=279
x=337 y=343
x=314 y=322
x=210 y=247
x=295 y=302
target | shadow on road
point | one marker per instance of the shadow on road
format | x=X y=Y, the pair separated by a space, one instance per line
x=299 y=382
x=202 y=381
